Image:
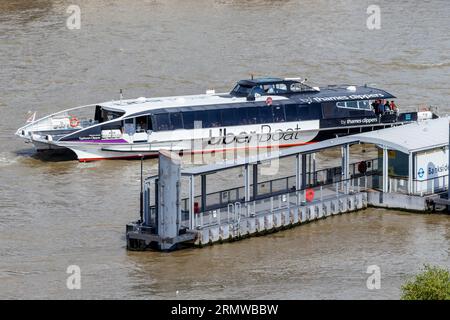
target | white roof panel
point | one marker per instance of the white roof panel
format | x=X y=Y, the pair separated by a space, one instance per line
x=417 y=136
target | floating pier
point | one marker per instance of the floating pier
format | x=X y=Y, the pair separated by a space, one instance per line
x=410 y=173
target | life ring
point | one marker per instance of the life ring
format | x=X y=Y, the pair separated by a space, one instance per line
x=74 y=122
x=362 y=167
x=309 y=195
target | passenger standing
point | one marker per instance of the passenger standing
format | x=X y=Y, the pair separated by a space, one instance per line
x=393 y=106
x=376 y=107
x=387 y=108
x=381 y=106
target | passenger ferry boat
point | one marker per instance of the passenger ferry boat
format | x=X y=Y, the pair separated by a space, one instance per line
x=257 y=113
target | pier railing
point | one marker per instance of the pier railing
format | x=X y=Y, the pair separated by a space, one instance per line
x=273 y=194
x=419 y=187
x=268 y=188
x=233 y=212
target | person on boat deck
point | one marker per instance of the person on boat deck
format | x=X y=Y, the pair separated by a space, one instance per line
x=375 y=106
x=393 y=106
x=380 y=106
x=383 y=107
x=387 y=106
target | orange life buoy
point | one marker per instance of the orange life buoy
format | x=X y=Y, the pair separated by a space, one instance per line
x=74 y=122
x=309 y=195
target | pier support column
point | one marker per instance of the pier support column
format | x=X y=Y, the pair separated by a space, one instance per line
x=298 y=185
x=302 y=176
x=203 y=190
x=314 y=176
x=247 y=183
x=309 y=157
x=346 y=167
x=255 y=181
x=385 y=170
x=169 y=191
x=303 y=171
x=191 y=202
x=410 y=173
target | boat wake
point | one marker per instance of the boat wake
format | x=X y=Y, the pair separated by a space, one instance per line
x=8 y=158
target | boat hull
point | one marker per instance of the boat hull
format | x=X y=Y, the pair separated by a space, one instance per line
x=91 y=151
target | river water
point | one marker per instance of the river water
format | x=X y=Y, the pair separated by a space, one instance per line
x=59 y=213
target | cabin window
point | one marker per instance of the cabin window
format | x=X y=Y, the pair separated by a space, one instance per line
x=128 y=126
x=176 y=121
x=107 y=115
x=241 y=91
x=213 y=119
x=303 y=113
x=250 y=116
x=364 y=105
x=201 y=116
x=315 y=112
x=359 y=105
x=188 y=120
x=280 y=88
x=291 y=112
x=142 y=124
x=162 y=121
x=278 y=114
x=229 y=117
x=265 y=114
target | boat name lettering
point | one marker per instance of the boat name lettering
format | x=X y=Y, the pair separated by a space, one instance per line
x=345 y=122
x=91 y=137
x=350 y=97
x=267 y=134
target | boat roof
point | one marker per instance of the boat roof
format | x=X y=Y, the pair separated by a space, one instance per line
x=331 y=93
x=262 y=81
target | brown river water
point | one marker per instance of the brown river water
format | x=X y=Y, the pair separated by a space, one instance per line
x=59 y=213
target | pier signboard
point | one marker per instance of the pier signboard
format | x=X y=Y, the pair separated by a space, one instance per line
x=430 y=169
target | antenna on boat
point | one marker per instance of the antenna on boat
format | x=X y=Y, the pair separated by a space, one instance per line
x=121 y=96
x=251 y=76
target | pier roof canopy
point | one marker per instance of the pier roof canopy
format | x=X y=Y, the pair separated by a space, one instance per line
x=414 y=137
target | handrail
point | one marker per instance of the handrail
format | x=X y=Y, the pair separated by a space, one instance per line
x=54 y=114
x=239 y=197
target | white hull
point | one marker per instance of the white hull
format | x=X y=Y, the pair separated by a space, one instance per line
x=90 y=151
